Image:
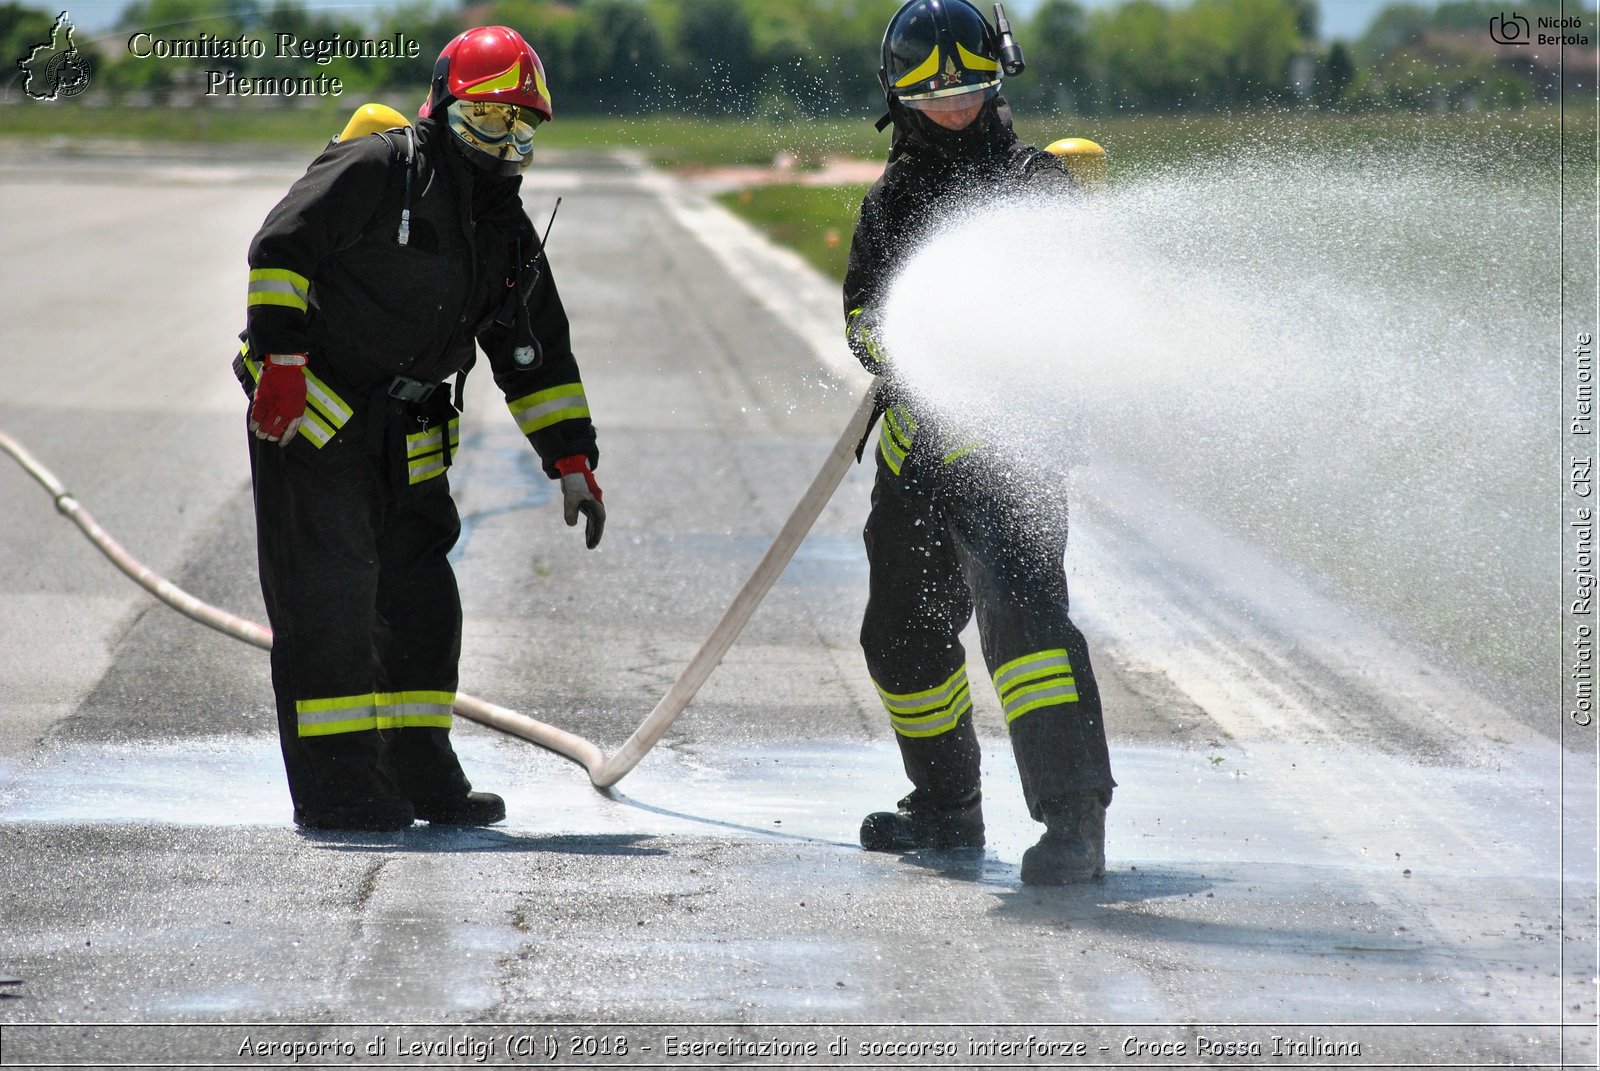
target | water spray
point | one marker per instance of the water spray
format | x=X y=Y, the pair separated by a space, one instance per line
x=1337 y=354
x=604 y=771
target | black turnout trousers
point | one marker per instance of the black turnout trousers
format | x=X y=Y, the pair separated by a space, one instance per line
x=937 y=551
x=366 y=622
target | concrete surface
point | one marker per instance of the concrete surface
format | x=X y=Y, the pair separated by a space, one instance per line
x=1322 y=835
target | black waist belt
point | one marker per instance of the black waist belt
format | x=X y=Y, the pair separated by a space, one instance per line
x=410 y=391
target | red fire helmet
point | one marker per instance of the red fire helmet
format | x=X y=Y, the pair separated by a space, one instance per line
x=489 y=64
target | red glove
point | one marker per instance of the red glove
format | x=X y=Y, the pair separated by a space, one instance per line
x=580 y=494
x=280 y=401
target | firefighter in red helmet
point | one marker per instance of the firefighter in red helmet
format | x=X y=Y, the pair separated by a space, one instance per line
x=948 y=535
x=371 y=285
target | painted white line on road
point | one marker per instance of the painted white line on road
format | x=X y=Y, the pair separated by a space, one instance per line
x=778 y=279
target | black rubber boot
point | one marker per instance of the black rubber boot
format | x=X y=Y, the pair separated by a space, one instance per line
x=920 y=823
x=381 y=812
x=425 y=767
x=470 y=809
x=1073 y=848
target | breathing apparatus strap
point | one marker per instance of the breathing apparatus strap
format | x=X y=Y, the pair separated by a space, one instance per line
x=403 y=235
x=461 y=382
x=883 y=398
x=1002 y=111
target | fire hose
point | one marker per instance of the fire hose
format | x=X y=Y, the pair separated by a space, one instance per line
x=604 y=771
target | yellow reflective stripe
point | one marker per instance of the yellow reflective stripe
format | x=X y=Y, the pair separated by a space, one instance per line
x=425 y=442
x=325 y=398
x=343 y=714
x=926 y=69
x=933 y=724
x=892 y=453
x=956 y=455
x=510 y=78
x=895 y=416
x=894 y=443
x=375 y=710
x=1036 y=680
x=539 y=85
x=974 y=62
x=337 y=703
x=400 y=710
x=547 y=407
x=422 y=442
x=926 y=700
x=333 y=728
x=894 y=434
x=436 y=698
x=931 y=711
x=856 y=332
x=1049 y=694
x=417 y=721
x=315 y=429
x=279 y=286
x=286 y=300
x=1032 y=667
x=425 y=457
x=425 y=469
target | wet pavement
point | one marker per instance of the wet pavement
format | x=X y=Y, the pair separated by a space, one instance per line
x=1320 y=835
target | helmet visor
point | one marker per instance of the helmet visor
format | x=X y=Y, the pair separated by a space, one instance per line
x=955 y=100
x=503 y=131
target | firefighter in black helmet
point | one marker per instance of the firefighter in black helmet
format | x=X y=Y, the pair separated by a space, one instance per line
x=947 y=535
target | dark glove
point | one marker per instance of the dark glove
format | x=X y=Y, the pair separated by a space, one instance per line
x=280 y=398
x=581 y=494
x=861 y=331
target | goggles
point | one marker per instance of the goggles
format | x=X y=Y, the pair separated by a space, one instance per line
x=504 y=131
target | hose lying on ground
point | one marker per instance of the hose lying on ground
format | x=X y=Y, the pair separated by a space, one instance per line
x=603 y=771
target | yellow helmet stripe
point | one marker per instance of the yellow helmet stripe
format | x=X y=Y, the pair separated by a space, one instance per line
x=926 y=69
x=510 y=78
x=539 y=85
x=974 y=62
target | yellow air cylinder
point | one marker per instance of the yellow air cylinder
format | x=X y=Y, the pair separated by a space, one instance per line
x=1084 y=160
x=370 y=119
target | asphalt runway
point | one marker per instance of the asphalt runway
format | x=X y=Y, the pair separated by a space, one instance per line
x=1326 y=848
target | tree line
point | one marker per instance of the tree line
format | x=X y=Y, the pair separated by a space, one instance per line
x=803 y=58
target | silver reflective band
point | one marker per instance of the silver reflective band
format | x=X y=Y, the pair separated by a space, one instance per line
x=1043 y=664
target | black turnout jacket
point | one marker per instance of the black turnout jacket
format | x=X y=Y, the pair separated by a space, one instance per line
x=929 y=175
x=330 y=277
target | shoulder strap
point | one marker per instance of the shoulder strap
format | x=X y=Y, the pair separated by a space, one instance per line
x=461 y=382
x=403 y=235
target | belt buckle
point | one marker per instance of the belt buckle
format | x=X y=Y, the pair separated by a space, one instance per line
x=411 y=391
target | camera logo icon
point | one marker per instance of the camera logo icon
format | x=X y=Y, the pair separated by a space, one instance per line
x=1510 y=29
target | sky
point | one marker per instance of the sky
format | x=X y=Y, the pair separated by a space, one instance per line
x=1340 y=18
